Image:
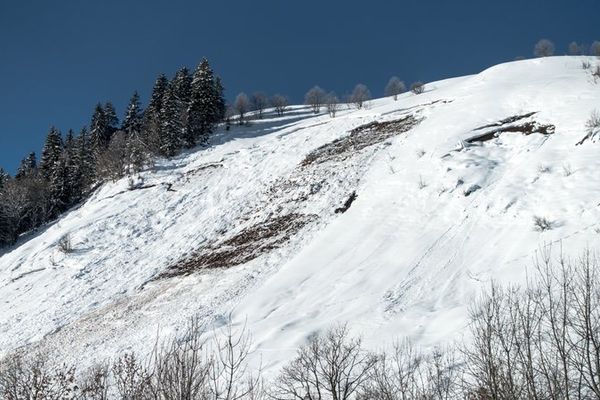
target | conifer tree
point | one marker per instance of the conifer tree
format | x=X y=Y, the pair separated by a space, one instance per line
x=27 y=167
x=59 y=188
x=220 y=99
x=71 y=167
x=112 y=121
x=3 y=177
x=84 y=171
x=51 y=153
x=99 y=131
x=203 y=110
x=132 y=123
x=152 y=123
x=132 y=126
x=171 y=127
x=182 y=88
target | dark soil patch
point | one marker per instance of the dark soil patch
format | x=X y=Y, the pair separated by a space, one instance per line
x=360 y=138
x=526 y=128
x=245 y=246
x=508 y=120
x=203 y=167
x=347 y=204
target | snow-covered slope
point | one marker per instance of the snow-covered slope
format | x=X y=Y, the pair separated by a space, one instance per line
x=437 y=214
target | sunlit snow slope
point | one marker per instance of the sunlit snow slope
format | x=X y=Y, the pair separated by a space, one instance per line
x=437 y=215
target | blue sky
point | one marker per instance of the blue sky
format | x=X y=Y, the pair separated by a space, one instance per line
x=59 y=58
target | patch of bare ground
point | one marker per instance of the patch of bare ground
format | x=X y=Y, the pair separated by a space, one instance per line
x=510 y=125
x=359 y=138
x=245 y=246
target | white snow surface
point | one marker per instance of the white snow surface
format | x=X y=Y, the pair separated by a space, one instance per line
x=405 y=260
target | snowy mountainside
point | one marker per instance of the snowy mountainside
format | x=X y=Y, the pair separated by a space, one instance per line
x=447 y=185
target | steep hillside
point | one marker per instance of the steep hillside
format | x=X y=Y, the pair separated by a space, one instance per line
x=391 y=218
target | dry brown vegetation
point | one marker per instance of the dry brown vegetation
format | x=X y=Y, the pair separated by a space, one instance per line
x=360 y=138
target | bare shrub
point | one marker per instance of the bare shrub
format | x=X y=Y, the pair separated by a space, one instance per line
x=593 y=122
x=544 y=169
x=33 y=378
x=280 y=103
x=567 y=170
x=585 y=64
x=394 y=87
x=543 y=48
x=131 y=378
x=360 y=95
x=331 y=366
x=542 y=223
x=596 y=72
x=315 y=98
x=95 y=384
x=64 y=244
x=417 y=87
x=421 y=184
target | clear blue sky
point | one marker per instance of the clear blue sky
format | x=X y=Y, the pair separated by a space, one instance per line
x=59 y=58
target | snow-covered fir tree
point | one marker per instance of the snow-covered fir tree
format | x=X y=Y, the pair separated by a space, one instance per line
x=152 y=123
x=51 y=153
x=27 y=167
x=204 y=111
x=99 y=131
x=84 y=172
x=182 y=89
x=112 y=121
x=3 y=177
x=133 y=115
x=171 y=126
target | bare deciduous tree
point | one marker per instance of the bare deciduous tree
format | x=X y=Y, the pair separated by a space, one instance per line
x=543 y=48
x=332 y=103
x=112 y=162
x=360 y=95
x=315 y=98
x=575 y=49
x=241 y=105
x=132 y=379
x=280 y=103
x=595 y=48
x=259 y=102
x=417 y=87
x=95 y=383
x=394 y=87
x=332 y=366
